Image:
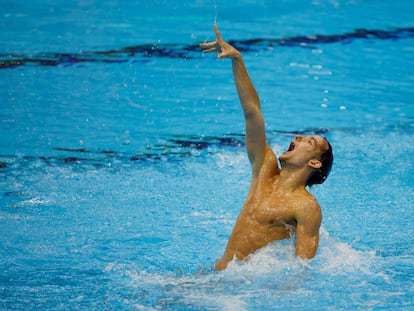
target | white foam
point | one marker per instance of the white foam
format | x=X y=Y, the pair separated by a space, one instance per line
x=273 y=258
x=333 y=258
x=36 y=201
x=217 y=302
x=233 y=160
x=144 y=308
x=340 y=258
x=272 y=271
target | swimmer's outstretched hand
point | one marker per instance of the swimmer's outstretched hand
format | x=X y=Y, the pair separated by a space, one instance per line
x=220 y=46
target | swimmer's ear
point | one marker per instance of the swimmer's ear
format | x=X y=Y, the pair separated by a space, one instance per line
x=315 y=163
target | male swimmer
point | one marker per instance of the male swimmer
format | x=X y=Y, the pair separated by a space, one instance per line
x=277 y=200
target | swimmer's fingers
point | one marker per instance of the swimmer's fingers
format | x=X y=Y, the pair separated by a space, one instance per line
x=220 y=46
x=218 y=35
x=209 y=47
x=208 y=44
x=214 y=45
x=210 y=50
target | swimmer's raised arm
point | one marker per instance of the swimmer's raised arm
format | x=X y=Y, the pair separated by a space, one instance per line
x=255 y=131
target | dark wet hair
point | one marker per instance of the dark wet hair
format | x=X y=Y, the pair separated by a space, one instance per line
x=318 y=176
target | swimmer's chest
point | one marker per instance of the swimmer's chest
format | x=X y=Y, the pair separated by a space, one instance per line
x=272 y=209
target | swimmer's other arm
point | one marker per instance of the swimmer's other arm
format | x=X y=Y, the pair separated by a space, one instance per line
x=309 y=218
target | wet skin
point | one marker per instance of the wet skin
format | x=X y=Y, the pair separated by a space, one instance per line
x=278 y=203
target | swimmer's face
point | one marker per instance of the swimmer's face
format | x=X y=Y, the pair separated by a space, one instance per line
x=304 y=149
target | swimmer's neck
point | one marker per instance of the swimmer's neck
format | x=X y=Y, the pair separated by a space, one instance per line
x=292 y=179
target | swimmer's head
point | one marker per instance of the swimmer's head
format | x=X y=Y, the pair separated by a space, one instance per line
x=319 y=175
x=313 y=152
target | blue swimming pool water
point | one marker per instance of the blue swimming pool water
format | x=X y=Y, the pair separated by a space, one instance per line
x=122 y=167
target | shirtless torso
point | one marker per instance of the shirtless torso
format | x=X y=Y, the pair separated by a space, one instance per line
x=270 y=214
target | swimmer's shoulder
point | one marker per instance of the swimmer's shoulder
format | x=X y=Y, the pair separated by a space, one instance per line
x=307 y=204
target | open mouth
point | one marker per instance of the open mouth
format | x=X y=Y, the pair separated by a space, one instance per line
x=291 y=146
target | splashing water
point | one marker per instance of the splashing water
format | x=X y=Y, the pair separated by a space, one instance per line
x=271 y=273
x=215 y=11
